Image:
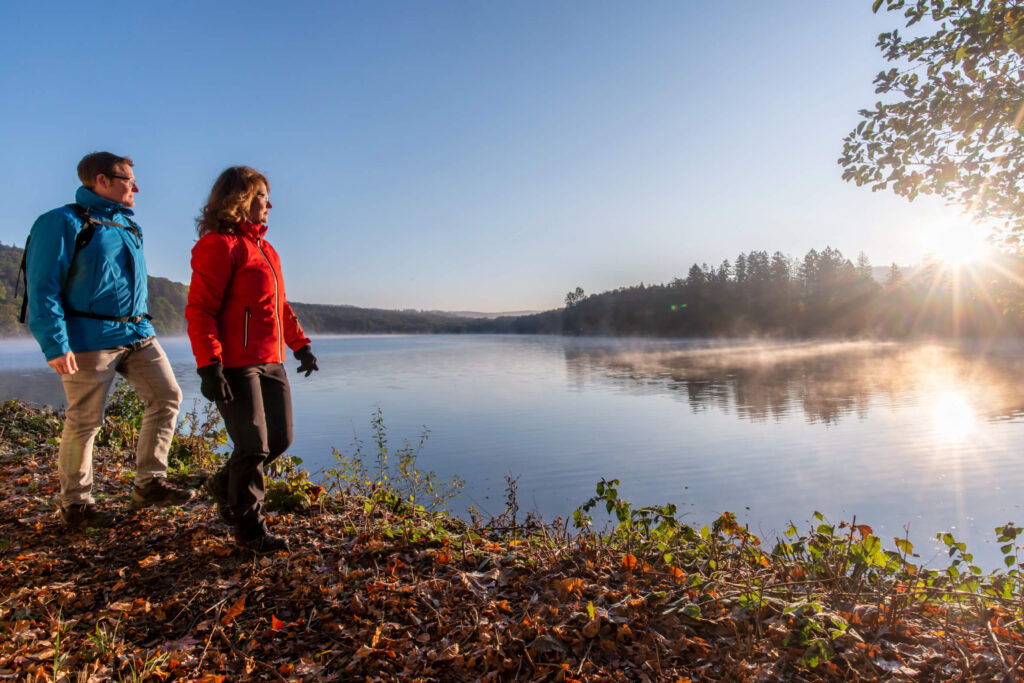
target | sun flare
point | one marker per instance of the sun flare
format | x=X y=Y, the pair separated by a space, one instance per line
x=952 y=416
x=956 y=244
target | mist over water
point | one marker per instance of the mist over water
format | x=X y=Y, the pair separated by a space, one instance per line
x=920 y=434
x=822 y=381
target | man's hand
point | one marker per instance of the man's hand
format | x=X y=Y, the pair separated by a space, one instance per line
x=65 y=365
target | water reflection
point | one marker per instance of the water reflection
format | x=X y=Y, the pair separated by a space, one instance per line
x=825 y=382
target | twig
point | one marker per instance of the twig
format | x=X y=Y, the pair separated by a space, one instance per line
x=198 y=666
x=995 y=644
x=243 y=656
x=657 y=654
x=963 y=656
x=586 y=654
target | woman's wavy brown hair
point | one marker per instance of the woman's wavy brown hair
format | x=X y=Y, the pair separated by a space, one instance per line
x=230 y=199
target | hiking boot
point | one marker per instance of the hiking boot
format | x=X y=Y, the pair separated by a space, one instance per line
x=265 y=544
x=158 y=493
x=84 y=516
x=220 y=497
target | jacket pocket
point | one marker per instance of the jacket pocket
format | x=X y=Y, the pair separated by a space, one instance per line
x=245 y=329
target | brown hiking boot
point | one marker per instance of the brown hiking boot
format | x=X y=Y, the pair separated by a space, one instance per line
x=84 y=516
x=265 y=544
x=158 y=493
x=220 y=497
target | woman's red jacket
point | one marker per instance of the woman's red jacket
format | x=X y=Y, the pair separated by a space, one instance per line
x=237 y=313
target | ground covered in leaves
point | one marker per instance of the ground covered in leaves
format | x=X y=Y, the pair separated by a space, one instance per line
x=371 y=593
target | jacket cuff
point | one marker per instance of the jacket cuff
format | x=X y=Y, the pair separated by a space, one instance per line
x=299 y=343
x=56 y=352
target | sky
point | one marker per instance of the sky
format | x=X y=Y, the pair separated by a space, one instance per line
x=464 y=155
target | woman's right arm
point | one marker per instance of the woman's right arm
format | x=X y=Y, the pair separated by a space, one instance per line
x=211 y=274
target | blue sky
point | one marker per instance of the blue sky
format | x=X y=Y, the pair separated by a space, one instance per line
x=471 y=155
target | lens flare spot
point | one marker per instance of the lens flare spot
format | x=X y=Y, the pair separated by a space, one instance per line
x=953 y=417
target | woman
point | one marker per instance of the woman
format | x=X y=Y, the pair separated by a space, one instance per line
x=239 y=323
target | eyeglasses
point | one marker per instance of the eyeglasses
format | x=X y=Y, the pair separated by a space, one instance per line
x=131 y=181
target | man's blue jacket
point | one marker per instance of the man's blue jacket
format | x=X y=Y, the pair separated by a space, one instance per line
x=108 y=278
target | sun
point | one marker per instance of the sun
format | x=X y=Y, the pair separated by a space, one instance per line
x=957 y=243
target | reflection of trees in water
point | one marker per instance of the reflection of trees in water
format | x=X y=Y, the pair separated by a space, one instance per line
x=826 y=381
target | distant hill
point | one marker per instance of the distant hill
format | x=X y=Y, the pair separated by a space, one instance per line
x=10 y=306
x=478 y=314
x=167 y=306
x=336 y=319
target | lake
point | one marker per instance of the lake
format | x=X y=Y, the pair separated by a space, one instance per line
x=926 y=436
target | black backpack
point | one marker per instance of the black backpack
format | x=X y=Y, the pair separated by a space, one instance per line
x=89 y=223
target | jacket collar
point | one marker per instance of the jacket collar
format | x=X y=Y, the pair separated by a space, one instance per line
x=98 y=205
x=252 y=230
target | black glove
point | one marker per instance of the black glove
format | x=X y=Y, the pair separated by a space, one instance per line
x=215 y=386
x=307 y=361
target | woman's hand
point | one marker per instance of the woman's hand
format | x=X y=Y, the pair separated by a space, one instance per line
x=307 y=361
x=214 y=386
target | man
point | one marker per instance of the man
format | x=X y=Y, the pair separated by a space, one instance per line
x=86 y=289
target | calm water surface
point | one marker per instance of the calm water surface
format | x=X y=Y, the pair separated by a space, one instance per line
x=927 y=436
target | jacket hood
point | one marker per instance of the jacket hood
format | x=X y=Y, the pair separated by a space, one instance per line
x=98 y=204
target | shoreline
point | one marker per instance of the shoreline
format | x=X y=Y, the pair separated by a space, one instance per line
x=375 y=587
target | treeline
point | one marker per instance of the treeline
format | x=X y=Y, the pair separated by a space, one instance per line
x=167 y=300
x=824 y=294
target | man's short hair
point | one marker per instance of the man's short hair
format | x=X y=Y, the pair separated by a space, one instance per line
x=96 y=163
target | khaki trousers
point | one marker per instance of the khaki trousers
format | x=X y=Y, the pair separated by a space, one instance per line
x=145 y=366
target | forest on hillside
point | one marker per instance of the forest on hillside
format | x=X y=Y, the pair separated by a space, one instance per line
x=757 y=294
x=823 y=294
x=167 y=300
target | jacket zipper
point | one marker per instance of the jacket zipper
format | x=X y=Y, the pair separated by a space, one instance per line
x=125 y=234
x=245 y=330
x=277 y=308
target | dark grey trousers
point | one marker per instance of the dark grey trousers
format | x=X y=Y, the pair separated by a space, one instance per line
x=259 y=422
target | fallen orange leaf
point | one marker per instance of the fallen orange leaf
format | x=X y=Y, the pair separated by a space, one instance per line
x=149 y=561
x=565 y=587
x=629 y=562
x=233 y=611
x=275 y=623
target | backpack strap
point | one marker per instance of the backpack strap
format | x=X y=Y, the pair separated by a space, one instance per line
x=22 y=277
x=83 y=238
x=112 y=318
